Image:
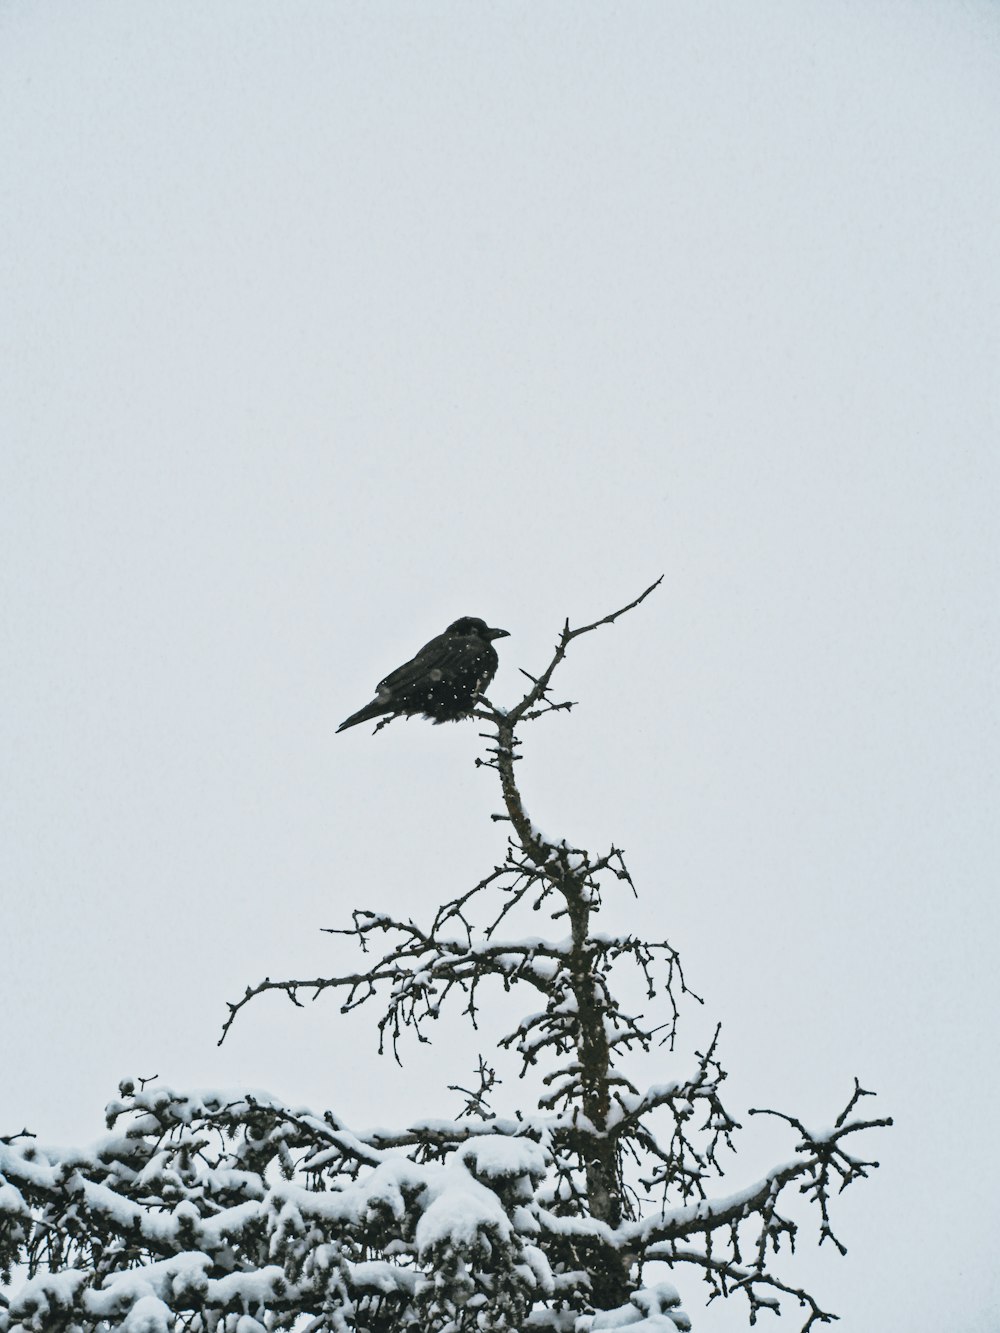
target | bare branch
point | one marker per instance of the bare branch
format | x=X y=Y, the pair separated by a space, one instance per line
x=567 y=635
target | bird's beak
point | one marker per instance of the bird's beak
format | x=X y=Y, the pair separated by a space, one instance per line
x=499 y=633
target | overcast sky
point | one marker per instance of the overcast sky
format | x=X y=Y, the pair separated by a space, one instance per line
x=324 y=324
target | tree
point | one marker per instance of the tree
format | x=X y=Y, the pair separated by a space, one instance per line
x=216 y=1215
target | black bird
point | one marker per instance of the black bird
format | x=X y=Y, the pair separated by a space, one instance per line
x=444 y=680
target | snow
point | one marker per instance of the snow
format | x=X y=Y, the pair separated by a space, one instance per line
x=376 y=1275
x=254 y=1288
x=498 y=1158
x=680 y=1220
x=538 y=1266
x=651 y=1300
x=651 y=1310
x=148 y=1315
x=12 y=1202
x=464 y=1216
x=247 y=1324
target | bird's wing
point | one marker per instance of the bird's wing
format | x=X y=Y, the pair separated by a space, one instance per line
x=447 y=654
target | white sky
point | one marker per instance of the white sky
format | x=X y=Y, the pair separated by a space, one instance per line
x=323 y=324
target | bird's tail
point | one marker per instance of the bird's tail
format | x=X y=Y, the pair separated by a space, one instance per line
x=374 y=709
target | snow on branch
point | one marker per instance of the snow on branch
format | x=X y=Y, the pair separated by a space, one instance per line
x=217 y=1204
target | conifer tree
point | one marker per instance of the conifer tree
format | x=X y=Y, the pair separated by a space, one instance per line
x=216 y=1214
